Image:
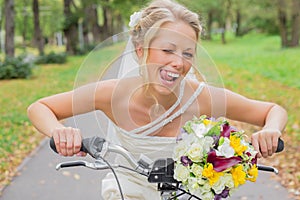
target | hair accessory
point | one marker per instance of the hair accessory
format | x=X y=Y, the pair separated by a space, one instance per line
x=134 y=19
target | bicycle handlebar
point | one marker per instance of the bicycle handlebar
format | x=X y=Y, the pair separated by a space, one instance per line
x=162 y=169
x=92 y=145
x=95 y=144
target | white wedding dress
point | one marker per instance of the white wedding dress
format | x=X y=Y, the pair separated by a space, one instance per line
x=135 y=186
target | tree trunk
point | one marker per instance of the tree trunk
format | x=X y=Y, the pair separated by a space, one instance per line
x=105 y=29
x=96 y=29
x=282 y=17
x=223 y=33
x=1 y=20
x=209 y=25
x=295 y=23
x=38 y=38
x=25 y=22
x=9 y=28
x=70 y=29
x=238 y=23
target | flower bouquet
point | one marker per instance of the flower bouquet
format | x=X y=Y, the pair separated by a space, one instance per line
x=212 y=158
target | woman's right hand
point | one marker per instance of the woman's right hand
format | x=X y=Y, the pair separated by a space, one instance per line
x=67 y=141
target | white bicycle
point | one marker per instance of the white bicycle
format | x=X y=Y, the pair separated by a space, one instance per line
x=160 y=172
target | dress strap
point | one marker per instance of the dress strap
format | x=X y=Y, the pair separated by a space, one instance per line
x=177 y=113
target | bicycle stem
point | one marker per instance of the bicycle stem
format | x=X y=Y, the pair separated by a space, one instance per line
x=131 y=160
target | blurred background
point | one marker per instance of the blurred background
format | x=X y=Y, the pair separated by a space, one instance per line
x=254 y=43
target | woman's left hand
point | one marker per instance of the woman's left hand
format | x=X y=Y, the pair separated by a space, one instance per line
x=265 y=142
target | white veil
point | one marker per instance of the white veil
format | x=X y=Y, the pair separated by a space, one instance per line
x=115 y=58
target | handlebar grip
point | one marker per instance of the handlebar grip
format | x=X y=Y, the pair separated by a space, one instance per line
x=280 y=145
x=92 y=145
x=53 y=147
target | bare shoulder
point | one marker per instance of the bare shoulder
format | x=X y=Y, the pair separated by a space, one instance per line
x=106 y=90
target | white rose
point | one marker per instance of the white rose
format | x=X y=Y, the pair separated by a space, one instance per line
x=181 y=173
x=228 y=180
x=200 y=129
x=197 y=170
x=219 y=186
x=193 y=185
x=225 y=149
x=180 y=150
x=207 y=143
x=207 y=196
x=204 y=192
x=195 y=152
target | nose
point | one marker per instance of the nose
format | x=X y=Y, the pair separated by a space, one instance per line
x=177 y=61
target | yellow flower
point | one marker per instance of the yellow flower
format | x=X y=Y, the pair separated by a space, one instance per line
x=253 y=173
x=238 y=175
x=211 y=174
x=206 y=122
x=235 y=142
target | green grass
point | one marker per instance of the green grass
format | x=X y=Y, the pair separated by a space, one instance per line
x=259 y=54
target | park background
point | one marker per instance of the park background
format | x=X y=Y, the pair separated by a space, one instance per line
x=255 y=45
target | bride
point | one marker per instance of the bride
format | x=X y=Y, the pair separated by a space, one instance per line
x=149 y=108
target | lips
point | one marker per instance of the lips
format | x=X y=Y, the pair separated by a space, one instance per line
x=168 y=76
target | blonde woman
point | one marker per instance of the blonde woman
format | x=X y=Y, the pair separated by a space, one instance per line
x=149 y=109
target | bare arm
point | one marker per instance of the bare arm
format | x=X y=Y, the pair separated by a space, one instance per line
x=46 y=114
x=270 y=116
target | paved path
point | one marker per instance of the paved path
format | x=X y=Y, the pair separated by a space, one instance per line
x=38 y=179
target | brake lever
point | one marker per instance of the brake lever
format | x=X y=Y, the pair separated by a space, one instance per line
x=97 y=165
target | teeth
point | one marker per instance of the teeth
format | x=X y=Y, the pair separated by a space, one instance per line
x=173 y=75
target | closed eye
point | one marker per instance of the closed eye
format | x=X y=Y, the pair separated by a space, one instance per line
x=168 y=50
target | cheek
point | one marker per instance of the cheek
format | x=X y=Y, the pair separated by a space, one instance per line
x=187 y=66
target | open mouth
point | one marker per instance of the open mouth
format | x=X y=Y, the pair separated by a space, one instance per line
x=168 y=77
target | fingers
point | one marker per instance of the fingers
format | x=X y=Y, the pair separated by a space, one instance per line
x=67 y=140
x=255 y=144
x=265 y=142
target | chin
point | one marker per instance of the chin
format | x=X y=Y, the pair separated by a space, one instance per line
x=163 y=90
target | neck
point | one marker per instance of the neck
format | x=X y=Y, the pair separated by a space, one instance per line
x=152 y=97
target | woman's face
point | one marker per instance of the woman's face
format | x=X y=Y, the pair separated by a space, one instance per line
x=170 y=56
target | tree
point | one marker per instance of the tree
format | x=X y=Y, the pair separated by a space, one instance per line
x=38 y=37
x=289 y=29
x=70 y=28
x=295 y=23
x=9 y=28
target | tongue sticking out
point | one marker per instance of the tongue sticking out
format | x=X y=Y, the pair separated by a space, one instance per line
x=166 y=76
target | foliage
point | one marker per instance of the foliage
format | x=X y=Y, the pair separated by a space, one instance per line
x=52 y=57
x=49 y=24
x=19 y=67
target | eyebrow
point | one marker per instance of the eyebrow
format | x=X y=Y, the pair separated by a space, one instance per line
x=174 y=45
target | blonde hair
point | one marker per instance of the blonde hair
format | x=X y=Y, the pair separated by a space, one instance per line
x=153 y=16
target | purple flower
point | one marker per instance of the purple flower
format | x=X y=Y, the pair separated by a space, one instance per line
x=185 y=161
x=224 y=194
x=254 y=160
x=216 y=141
x=227 y=129
x=221 y=163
